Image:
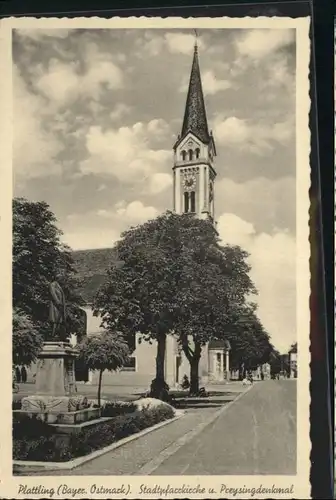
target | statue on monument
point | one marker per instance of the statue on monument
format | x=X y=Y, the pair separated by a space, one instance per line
x=57 y=312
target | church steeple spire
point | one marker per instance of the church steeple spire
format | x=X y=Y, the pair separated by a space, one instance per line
x=194 y=154
x=195 y=119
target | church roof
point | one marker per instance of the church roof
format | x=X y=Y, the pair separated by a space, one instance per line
x=92 y=266
x=195 y=119
x=220 y=344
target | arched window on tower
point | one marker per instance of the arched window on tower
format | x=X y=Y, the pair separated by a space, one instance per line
x=186 y=202
x=183 y=154
x=197 y=152
x=192 y=202
x=190 y=153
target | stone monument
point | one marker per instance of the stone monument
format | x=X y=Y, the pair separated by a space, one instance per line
x=56 y=399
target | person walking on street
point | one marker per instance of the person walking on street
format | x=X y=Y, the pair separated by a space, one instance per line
x=17 y=374
x=23 y=375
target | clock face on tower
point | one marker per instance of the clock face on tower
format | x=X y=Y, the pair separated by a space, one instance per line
x=189 y=182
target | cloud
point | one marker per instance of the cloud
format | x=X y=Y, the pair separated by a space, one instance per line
x=63 y=81
x=269 y=53
x=260 y=43
x=102 y=228
x=88 y=237
x=34 y=148
x=102 y=72
x=124 y=153
x=150 y=44
x=255 y=137
x=280 y=75
x=38 y=33
x=159 y=182
x=60 y=82
x=137 y=212
x=120 y=111
x=133 y=212
x=260 y=200
x=153 y=43
x=211 y=84
x=273 y=270
x=182 y=43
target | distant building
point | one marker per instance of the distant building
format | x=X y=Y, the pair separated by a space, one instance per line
x=293 y=364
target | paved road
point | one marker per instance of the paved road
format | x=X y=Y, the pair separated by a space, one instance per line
x=255 y=435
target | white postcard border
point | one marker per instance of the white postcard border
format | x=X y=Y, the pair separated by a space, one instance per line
x=300 y=482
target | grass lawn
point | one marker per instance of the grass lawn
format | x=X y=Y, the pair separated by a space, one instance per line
x=131 y=393
x=90 y=391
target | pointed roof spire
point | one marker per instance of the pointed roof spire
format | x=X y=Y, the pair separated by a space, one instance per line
x=195 y=45
x=195 y=119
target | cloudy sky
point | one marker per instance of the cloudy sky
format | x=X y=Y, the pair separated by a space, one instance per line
x=96 y=113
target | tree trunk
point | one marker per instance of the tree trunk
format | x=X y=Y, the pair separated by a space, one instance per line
x=99 y=386
x=194 y=381
x=159 y=388
x=194 y=364
x=160 y=358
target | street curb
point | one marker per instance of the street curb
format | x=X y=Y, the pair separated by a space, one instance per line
x=72 y=464
x=152 y=465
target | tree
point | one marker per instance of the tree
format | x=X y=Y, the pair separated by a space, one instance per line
x=250 y=343
x=215 y=284
x=176 y=279
x=39 y=257
x=279 y=363
x=139 y=297
x=105 y=351
x=293 y=348
x=275 y=363
x=26 y=342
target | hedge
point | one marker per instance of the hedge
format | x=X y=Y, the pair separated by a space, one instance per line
x=117 y=408
x=34 y=440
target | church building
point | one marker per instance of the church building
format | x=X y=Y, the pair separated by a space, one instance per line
x=194 y=177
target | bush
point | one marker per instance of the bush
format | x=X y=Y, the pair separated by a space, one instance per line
x=16 y=404
x=34 y=440
x=116 y=408
x=25 y=427
x=91 y=439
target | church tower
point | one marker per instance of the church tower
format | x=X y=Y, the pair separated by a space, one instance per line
x=194 y=153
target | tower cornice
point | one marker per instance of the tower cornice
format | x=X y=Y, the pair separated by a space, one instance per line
x=184 y=165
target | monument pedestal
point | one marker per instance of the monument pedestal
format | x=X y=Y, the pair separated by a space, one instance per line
x=55 y=399
x=55 y=374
